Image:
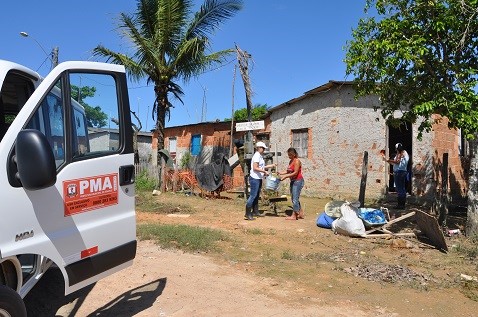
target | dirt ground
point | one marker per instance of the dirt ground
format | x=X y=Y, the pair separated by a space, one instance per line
x=269 y=267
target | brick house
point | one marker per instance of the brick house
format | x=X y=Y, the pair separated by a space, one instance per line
x=205 y=141
x=331 y=130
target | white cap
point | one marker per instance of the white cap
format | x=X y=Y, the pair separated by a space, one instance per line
x=261 y=144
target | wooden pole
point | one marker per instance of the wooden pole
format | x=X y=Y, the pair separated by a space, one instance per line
x=443 y=205
x=363 y=181
x=232 y=113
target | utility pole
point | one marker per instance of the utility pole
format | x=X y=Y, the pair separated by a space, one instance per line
x=54 y=57
x=232 y=111
x=243 y=60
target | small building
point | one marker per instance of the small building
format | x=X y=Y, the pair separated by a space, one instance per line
x=205 y=141
x=101 y=138
x=331 y=130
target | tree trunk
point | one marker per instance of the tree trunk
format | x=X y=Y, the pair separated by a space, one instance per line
x=135 y=147
x=161 y=107
x=472 y=221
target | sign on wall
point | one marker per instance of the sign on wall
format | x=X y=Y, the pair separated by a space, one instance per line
x=247 y=126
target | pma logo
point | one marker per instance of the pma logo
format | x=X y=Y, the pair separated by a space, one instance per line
x=71 y=190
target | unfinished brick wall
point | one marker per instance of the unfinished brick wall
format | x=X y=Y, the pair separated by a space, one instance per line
x=215 y=139
x=340 y=130
x=446 y=140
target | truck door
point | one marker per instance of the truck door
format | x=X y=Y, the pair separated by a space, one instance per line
x=85 y=222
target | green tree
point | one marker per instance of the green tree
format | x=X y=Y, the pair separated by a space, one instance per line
x=421 y=58
x=95 y=117
x=258 y=112
x=170 y=44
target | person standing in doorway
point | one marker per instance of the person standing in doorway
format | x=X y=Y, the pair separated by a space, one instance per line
x=400 y=164
x=257 y=173
x=294 y=173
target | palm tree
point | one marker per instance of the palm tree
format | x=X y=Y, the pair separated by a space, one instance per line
x=170 y=44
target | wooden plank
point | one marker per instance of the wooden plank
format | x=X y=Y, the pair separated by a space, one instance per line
x=383 y=228
x=429 y=226
x=399 y=219
x=389 y=235
x=276 y=199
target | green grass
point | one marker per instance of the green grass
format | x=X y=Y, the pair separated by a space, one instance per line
x=187 y=238
x=146 y=202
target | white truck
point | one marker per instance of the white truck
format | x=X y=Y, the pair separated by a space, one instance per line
x=66 y=191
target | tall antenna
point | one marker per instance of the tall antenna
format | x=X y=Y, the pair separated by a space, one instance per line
x=204 y=104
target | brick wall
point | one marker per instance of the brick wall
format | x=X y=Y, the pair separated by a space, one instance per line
x=340 y=129
x=446 y=140
x=215 y=140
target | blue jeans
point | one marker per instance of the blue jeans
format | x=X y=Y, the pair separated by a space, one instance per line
x=255 y=189
x=400 y=183
x=295 y=188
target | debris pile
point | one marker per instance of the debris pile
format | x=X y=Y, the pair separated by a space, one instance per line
x=388 y=273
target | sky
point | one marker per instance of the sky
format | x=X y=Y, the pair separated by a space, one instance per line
x=295 y=46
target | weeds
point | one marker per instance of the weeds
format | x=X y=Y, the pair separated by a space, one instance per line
x=468 y=247
x=254 y=231
x=287 y=255
x=148 y=203
x=470 y=290
x=143 y=182
x=182 y=236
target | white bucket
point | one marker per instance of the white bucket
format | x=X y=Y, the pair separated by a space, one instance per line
x=272 y=182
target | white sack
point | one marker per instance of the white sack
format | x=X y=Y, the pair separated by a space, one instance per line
x=349 y=224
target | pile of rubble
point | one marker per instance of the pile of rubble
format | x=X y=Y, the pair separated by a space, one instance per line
x=388 y=273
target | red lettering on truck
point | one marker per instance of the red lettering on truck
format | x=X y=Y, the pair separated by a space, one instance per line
x=85 y=194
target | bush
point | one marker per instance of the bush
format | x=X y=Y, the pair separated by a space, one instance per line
x=185 y=160
x=144 y=182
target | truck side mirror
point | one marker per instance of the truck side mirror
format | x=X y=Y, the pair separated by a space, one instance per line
x=35 y=160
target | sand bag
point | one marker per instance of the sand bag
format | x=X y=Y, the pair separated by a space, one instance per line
x=349 y=223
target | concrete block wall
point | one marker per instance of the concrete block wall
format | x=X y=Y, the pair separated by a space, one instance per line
x=340 y=130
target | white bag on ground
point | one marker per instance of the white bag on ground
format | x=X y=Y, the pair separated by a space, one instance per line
x=349 y=224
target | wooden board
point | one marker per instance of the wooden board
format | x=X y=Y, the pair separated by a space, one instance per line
x=429 y=226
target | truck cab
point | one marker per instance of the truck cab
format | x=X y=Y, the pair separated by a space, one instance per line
x=67 y=191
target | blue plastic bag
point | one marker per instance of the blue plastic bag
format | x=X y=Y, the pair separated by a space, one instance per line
x=325 y=221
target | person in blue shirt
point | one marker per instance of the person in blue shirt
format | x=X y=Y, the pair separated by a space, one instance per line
x=400 y=164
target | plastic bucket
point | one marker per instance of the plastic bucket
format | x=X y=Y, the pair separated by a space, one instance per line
x=272 y=182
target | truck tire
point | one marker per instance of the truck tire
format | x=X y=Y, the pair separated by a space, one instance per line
x=11 y=304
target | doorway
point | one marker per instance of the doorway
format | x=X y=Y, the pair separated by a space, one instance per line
x=402 y=134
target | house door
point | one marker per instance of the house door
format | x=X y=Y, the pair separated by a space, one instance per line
x=196 y=144
x=402 y=134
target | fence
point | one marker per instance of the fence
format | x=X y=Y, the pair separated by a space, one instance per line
x=151 y=171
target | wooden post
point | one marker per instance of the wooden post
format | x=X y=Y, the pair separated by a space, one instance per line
x=363 y=181
x=163 y=174
x=443 y=205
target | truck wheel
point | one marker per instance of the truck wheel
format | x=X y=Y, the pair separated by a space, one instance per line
x=11 y=304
